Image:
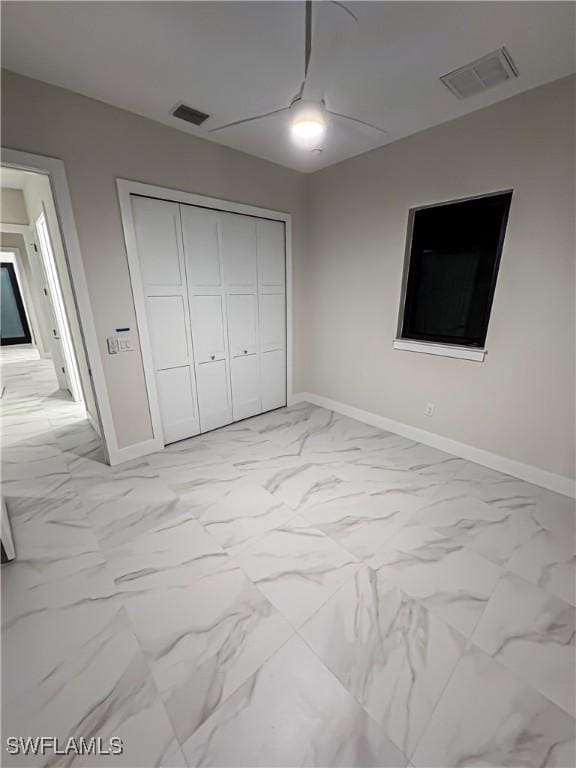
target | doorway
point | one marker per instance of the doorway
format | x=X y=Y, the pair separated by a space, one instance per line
x=30 y=225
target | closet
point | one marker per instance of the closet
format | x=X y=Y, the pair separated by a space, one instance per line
x=215 y=294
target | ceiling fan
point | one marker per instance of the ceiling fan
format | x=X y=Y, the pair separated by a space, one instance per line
x=309 y=117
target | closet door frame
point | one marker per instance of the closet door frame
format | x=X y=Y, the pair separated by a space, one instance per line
x=126 y=189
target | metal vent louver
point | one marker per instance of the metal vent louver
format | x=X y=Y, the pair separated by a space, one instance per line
x=190 y=115
x=490 y=70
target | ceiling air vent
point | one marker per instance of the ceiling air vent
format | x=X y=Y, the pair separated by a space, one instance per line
x=190 y=115
x=490 y=70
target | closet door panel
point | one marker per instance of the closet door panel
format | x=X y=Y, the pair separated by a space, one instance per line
x=271 y=256
x=272 y=321
x=238 y=238
x=242 y=323
x=157 y=234
x=214 y=399
x=177 y=403
x=163 y=274
x=245 y=386
x=273 y=379
x=208 y=327
x=202 y=245
x=168 y=331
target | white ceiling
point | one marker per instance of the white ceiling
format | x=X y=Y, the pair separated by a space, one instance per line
x=237 y=59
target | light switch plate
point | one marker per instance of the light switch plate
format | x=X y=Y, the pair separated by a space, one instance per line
x=125 y=344
x=112 y=343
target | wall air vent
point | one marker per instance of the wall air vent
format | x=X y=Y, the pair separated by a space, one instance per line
x=490 y=70
x=190 y=115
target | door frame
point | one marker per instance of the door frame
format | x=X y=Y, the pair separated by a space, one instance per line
x=51 y=271
x=55 y=170
x=127 y=188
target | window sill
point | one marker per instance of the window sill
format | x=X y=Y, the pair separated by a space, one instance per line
x=445 y=350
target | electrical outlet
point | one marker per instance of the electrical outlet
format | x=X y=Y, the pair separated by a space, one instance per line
x=429 y=410
x=112 y=343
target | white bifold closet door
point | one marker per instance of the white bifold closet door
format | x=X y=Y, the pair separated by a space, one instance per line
x=228 y=270
x=201 y=231
x=272 y=313
x=238 y=242
x=163 y=274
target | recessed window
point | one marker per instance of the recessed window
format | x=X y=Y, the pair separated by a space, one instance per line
x=452 y=265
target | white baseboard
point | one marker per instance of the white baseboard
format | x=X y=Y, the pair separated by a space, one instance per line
x=531 y=474
x=136 y=451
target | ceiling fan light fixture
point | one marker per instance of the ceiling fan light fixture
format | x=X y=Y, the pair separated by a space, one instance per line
x=308 y=122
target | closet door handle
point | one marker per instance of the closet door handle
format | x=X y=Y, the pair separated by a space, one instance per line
x=212 y=357
x=245 y=351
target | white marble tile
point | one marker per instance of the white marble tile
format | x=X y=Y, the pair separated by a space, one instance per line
x=548 y=560
x=243 y=514
x=119 y=520
x=487 y=717
x=360 y=519
x=202 y=624
x=132 y=481
x=193 y=452
x=200 y=486
x=176 y=552
x=533 y=634
x=48 y=617
x=238 y=442
x=270 y=463
x=451 y=580
x=103 y=688
x=297 y=567
x=555 y=513
x=79 y=439
x=52 y=537
x=493 y=531
x=203 y=640
x=374 y=467
x=334 y=436
x=295 y=427
x=388 y=650
x=303 y=485
x=41 y=477
x=291 y=712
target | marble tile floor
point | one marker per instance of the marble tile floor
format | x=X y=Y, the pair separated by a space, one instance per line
x=295 y=589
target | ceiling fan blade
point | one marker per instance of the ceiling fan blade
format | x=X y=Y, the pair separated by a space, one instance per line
x=357 y=120
x=307 y=48
x=334 y=39
x=248 y=119
x=308 y=40
x=345 y=8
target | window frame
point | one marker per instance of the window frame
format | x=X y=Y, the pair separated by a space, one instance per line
x=413 y=343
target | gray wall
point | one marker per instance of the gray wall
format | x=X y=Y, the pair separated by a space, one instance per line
x=98 y=144
x=519 y=403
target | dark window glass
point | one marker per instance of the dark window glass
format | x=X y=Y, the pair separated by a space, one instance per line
x=454 y=257
x=13 y=324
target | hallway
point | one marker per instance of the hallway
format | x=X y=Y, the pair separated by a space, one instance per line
x=71 y=663
x=296 y=589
